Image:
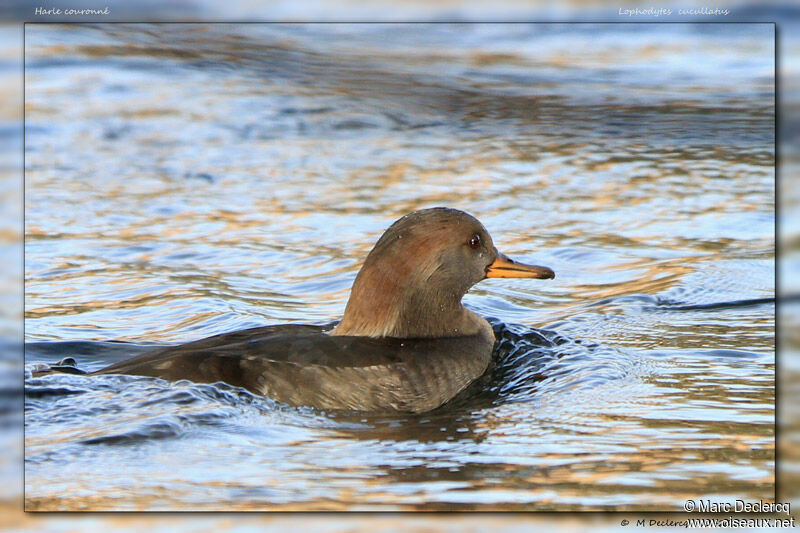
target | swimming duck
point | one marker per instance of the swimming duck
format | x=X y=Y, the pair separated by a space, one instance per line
x=405 y=342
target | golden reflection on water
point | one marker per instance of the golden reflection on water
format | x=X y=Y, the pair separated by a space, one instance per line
x=242 y=178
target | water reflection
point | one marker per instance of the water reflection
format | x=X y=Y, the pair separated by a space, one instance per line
x=183 y=181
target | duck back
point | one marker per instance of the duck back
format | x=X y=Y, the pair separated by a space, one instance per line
x=304 y=365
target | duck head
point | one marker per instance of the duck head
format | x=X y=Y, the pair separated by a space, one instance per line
x=412 y=282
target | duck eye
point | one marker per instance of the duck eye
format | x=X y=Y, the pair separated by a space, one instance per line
x=475 y=242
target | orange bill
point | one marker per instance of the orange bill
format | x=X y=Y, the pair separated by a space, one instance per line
x=504 y=267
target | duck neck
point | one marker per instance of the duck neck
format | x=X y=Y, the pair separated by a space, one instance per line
x=405 y=312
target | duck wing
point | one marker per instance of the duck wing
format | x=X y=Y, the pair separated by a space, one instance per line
x=303 y=365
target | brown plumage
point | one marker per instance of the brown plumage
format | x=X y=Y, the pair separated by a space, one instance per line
x=405 y=342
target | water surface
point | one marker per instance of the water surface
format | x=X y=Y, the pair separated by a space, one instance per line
x=188 y=180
